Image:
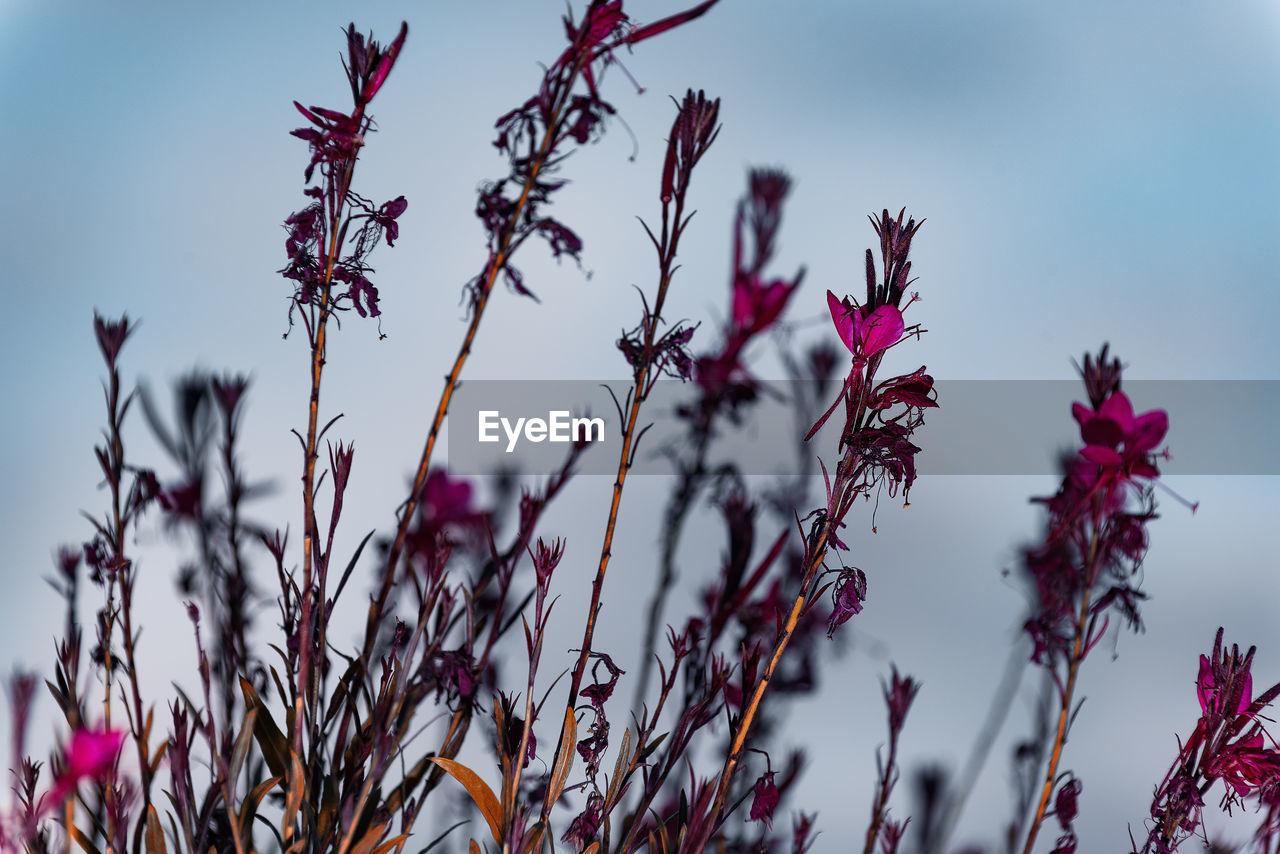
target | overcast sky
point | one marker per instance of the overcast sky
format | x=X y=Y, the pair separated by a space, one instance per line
x=1090 y=171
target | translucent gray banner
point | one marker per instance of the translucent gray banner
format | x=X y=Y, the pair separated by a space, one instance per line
x=981 y=427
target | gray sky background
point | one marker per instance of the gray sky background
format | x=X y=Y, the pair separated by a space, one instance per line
x=1090 y=171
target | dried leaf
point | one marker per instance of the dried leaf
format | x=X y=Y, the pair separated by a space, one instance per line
x=564 y=757
x=479 y=790
x=390 y=843
x=275 y=749
x=240 y=751
x=620 y=769
x=369 y=840
x=154 y=837
x=83 y=841
x=249 y=806
x=293 y=797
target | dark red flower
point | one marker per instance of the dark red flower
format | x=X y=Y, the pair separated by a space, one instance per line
x=898 y=695
x=387 y=215
x=1065 y=805
x=758 y=304
x=1118 y=440
x=111 y=335
x=368 y=65
x=1246 y=766
x=444 y=500
x=847 y=597
x=765 y=799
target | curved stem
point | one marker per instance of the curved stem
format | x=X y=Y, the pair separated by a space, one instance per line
x=752 y=708
x=882 y=799
x=996 y=714
x=497 y=263
x=1078 y=650
x=677 y=513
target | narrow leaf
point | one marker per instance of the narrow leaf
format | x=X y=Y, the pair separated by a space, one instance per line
x=154 y=836
x=275 y=749
x=479 y=790
x=564 y=757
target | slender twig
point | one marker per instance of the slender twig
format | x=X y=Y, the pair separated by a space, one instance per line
x=1078 y=650
x=997 y=712
x=481 y=301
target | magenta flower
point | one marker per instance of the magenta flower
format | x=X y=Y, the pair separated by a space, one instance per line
x=605 y=18
x=445 y=499
x=1246 y=766
x=91 y=754
x=1118 y=440
x=865 y=333
x=1207 y=689
x=757 y=304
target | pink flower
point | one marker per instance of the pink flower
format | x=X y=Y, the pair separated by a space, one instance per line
x=445 y=500
x=1207 y=689
x=92 y=754
x=1246 y=766
x=1117 y=439
x=757 y=304
x=865 y=333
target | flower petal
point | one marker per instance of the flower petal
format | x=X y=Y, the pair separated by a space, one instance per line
x=1205 y=687
x=881 y=329
x=844 y=323
x=1119 y=409
x=1147 y=432
x=1101 y=455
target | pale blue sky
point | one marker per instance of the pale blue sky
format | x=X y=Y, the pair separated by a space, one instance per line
x=1090 y=171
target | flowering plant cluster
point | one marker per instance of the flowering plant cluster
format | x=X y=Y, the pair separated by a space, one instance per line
x=290 y=739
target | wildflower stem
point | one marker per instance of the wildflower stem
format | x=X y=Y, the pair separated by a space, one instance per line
x=752 y=707
x=640 y=393
x=996 y=714
x=677 y=512
x=882 y=797
x=499 y=261
x=1078 y=650
x=698 y=120
x=318 y=330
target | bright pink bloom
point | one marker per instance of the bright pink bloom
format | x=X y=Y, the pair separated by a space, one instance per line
x=1207 y=688
x=866 y=334
x=1116 y=439
x=757 y=304
x=92 y=754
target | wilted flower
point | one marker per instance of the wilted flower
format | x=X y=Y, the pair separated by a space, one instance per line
x=847 y=596
x=764 y=799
